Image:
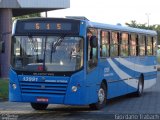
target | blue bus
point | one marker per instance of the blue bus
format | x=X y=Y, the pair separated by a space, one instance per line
x=79 y=62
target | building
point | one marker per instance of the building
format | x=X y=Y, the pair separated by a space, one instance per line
x=12 y=8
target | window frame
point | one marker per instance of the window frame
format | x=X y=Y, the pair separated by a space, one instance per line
x=136 y=45
x=154 y=46
x=108 y=44
x=121 y=44
x=147 y=41
x=141 y=45
x=117 y=44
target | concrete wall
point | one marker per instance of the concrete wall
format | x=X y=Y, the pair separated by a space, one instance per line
x=46 y=4
x=34 y=4
x=5 y=30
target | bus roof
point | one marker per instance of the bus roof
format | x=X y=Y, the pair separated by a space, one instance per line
x=121 y=28
x=103 y=26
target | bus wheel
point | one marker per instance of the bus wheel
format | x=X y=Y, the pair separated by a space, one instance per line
x=39 y=106
x=101 y=98
x=140 y=87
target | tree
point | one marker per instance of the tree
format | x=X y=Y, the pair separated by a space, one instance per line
x=27 y=16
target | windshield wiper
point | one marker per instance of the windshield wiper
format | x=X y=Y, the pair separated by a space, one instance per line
x=54 y=45
x=58 y=43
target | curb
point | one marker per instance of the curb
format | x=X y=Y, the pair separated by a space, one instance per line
x=3 y=99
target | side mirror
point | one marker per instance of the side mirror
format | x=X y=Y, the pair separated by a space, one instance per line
x=1 y=46
x=93 y=42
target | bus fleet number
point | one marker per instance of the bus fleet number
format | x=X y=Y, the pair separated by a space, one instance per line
x=30 y=79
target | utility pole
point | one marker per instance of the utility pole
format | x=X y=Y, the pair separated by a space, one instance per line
x=148 y=14
x=46 y=14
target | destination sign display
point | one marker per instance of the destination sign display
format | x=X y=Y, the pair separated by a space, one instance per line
x=47 y=26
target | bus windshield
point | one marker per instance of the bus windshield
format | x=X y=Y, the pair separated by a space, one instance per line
x=47 y=53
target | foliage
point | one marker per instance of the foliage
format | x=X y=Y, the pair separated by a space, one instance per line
x=27 y=16
x=3 y=89
x=134 y=24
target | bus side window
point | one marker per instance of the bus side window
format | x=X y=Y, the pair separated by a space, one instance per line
x=149 y=45
x=141 y=42
x=133 y=45
x=104 y=44
x=154 y=45
x=92 y=50
x=114 y=44
x=124 y=44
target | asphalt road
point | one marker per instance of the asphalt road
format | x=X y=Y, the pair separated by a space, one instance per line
x=125 y=107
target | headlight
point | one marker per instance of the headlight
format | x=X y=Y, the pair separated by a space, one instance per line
x=14 y=86
x=74 y=88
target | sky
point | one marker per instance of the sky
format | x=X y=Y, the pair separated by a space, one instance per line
x=113 y=11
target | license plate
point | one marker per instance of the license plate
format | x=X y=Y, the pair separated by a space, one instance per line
x=42 y=99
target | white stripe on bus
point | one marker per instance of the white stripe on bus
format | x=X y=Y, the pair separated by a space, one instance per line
x=131 y=82
x=136 y=67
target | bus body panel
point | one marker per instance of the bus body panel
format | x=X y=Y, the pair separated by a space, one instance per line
x=78 y=97
x=122 y=74
x=116 y=85
x=92 y=85
x=58 y=90
x=14 y=94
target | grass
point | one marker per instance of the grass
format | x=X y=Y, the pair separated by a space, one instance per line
x=3 y=89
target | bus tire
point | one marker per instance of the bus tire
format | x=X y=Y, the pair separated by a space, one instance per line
x=101 y=98
x=140 y=86
x=39 y=106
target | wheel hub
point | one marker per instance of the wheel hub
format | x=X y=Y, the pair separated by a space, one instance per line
x=140 y=87
x=101 y=95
